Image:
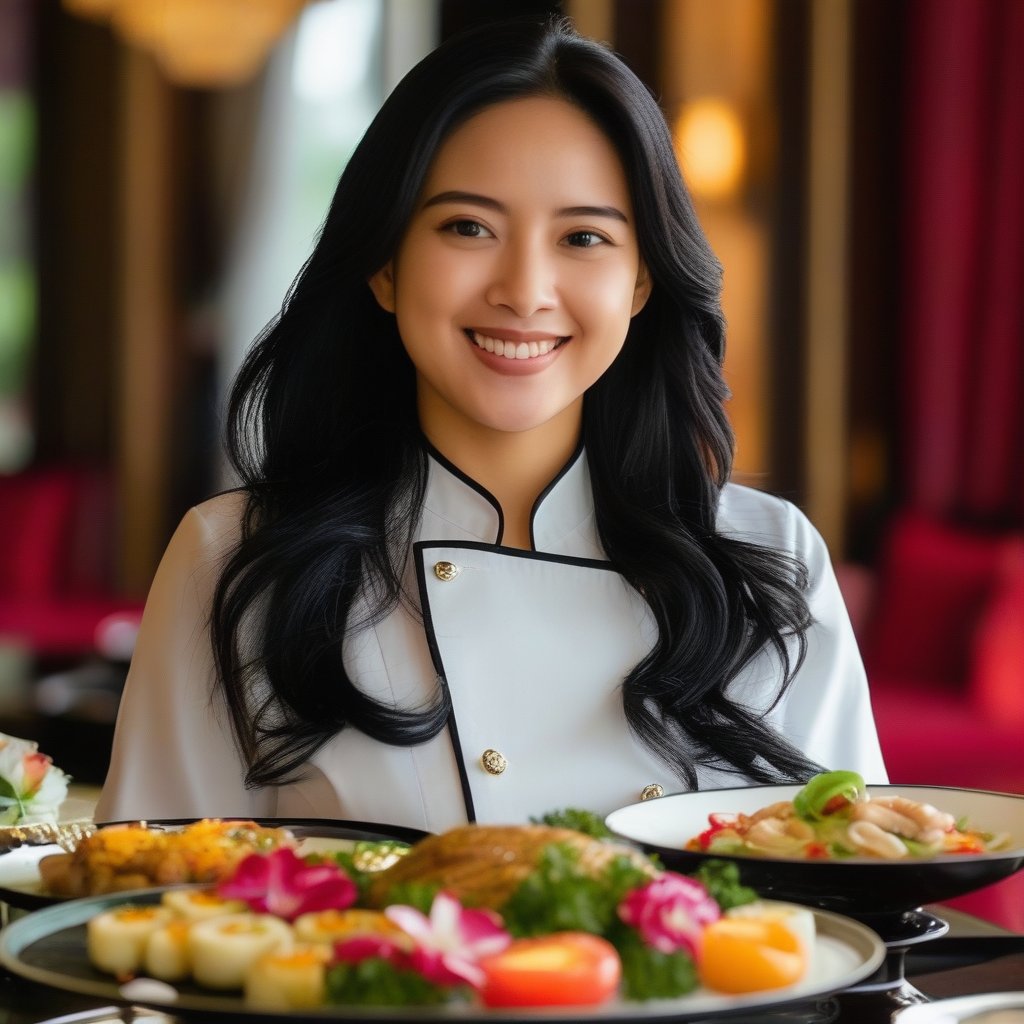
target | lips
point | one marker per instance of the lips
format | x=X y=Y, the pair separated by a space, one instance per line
x=513 y=348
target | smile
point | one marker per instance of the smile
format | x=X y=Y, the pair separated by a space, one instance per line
x=515 y=349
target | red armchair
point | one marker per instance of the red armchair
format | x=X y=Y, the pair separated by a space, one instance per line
x=941 y=626
x=56 y=579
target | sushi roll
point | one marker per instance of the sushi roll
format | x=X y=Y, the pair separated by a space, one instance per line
x=200 y=904
x=116 y=938
x=289 y=980
x=166 y=955
x=223 y=948
x=330 y=926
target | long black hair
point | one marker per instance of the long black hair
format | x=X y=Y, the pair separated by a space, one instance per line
x=324 y=436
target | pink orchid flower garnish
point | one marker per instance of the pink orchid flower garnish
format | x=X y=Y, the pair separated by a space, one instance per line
x=283 y=884
x=670 y=913
x=450 y=942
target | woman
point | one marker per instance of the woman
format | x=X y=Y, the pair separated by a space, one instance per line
x=486 y=561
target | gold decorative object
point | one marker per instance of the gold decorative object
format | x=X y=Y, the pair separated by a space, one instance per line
x=652 y=791
x=67 y=835
x=446 y=571
x=494 y=761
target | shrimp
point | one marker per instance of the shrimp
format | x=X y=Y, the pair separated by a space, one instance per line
x=777 y=834
x=927 y=817
x=782 y=809
x=867 y=837
x=887 y=818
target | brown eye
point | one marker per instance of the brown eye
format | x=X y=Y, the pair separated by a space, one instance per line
x=467 y=229
x=584 y=239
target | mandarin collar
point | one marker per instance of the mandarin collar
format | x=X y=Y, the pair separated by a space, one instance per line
x=562 y=519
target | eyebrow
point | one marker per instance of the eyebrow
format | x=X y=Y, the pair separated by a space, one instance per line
x=473 y=198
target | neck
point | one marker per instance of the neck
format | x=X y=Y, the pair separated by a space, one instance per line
x=515 y=467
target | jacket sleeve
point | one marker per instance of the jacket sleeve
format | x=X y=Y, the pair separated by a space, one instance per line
x=174 y=754
x=827 y=711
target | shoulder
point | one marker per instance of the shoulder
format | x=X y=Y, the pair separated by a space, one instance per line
x=207 y=532
x=218 y=518
x=761 y=518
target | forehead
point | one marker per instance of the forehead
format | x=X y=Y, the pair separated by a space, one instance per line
x=538 y=143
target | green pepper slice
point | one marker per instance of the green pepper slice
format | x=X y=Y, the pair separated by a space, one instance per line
x=811 y=801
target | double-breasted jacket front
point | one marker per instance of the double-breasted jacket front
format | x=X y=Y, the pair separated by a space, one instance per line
x=532 y=645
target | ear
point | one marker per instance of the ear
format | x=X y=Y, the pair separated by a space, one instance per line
x=642 y=292
x=382 y=284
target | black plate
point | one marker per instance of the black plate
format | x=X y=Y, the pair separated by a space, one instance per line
x=874 y=891
x=19 y=878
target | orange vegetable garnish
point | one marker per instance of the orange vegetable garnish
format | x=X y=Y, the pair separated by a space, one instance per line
x=136 y=913
x=563 y=969
x=750 y=955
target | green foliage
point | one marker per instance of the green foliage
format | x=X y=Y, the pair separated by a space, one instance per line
x=377 y=982
x=560 y=895
x=721 y=878
x=414 y=894
x=587 y=822
x=360 y=862
x=650 y=974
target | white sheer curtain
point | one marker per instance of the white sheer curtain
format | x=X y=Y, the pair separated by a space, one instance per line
x=322 y=87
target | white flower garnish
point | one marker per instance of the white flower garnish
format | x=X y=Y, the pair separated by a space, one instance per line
x=32 y=788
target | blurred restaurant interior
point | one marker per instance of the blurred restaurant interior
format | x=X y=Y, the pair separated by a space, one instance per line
x=857 y=164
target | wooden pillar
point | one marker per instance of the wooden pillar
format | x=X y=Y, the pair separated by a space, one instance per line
x=827 y=270
x=146 y=315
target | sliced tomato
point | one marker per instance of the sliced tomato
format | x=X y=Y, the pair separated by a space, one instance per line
x=562 y=969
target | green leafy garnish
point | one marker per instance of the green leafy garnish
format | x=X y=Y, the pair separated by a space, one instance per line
x=377 y=982
x=415 y=894
x=560 y=895
x=587 y=822
x=648 y=973
x=721 y=878
x=364 y=861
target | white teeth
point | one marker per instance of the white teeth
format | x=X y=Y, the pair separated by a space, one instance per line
x=512 y=350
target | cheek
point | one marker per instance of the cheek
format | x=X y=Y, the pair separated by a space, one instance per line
x=604 y=300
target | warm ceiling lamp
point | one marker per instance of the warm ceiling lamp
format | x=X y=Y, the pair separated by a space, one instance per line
x=202 y=43
x=711 y=147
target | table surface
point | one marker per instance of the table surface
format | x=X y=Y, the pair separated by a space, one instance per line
x=974 y=957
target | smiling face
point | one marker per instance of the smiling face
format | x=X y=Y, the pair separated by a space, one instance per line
x=517 y=277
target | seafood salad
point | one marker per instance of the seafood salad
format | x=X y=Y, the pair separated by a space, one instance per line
x=835 y=817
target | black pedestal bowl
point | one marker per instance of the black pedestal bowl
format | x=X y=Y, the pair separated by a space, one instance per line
x=879 y=892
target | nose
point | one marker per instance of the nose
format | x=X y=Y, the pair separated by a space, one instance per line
x=524 y=279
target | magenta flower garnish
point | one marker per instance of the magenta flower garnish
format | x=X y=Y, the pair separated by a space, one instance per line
x=670 y=913
x=450 y=942
x=283 y=884
x=370 y=947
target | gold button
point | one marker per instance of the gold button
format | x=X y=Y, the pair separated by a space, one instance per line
x=651 y=792
x=493 y=761
x=446 y=570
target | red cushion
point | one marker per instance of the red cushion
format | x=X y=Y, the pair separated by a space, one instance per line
x=57 y=628
x=1002 y=903
x=935 y=737
x=997 y=668
x=934 y=580
x=36 y=510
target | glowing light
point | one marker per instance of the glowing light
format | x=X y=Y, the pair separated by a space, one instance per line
x=711 y=147
x=204 y=43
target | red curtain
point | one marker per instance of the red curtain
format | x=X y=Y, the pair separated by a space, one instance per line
x=964 y=261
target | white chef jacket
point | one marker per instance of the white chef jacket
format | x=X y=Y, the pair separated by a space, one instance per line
x=532 y=645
